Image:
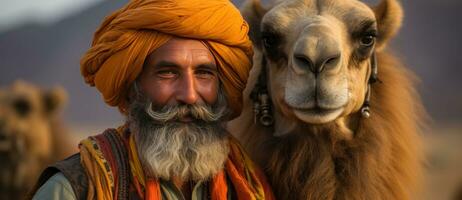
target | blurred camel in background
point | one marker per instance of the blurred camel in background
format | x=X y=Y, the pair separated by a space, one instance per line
x=31 y=135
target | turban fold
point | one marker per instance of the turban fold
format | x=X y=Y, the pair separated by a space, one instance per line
x=126 y=37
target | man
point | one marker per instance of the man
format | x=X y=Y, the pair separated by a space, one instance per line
x=176 y=69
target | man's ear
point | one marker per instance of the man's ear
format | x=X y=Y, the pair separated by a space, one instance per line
x=54 y=100
x=389 y=15
x=253 y=11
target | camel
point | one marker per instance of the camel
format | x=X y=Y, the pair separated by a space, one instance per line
x=31 y=135
x=329 y=112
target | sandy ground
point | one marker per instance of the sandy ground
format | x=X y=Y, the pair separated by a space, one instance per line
x=443 y=153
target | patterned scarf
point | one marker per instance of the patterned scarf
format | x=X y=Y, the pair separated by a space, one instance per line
x=104 y=161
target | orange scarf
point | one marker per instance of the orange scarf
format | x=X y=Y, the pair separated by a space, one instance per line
x=248 y=181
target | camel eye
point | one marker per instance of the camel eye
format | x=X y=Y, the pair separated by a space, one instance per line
x=269 y=40
x=22 y=107
x=367 y=40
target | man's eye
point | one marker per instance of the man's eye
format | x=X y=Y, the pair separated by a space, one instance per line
x=205 y=73
x=166 y=73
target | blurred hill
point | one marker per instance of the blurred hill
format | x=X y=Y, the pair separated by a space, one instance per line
x=50 y=55
x=429 y=43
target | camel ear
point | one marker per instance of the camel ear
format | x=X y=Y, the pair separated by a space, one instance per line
x=253 y=11
x=54 y=100
x=389 y=15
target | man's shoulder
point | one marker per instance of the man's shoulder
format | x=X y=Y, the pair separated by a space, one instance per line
x=71 y=169
x=57 y=187
x=69 y=162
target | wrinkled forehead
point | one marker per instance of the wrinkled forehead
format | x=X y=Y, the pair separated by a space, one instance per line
x=290 y=13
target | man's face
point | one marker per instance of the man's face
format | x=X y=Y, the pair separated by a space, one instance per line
x=182 y=71
x=177 y=116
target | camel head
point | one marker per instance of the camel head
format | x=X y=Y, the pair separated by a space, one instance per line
x=26 y=112
x=318 y=56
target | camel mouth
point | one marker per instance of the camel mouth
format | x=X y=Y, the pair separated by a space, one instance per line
x=5 y=146
x=5 y=143
x=317 y=115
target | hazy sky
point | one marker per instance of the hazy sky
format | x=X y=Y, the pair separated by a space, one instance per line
x=14 y=12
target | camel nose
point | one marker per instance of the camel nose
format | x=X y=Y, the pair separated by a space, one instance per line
x=317 y=51
x=316 y=65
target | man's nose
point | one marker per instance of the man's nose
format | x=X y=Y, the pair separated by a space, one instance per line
x=186 y=92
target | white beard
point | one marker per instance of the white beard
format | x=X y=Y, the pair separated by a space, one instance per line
x=190 y=151
x=185 y=151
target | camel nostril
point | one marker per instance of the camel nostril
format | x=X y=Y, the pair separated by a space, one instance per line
x=316 y=65
x=331 y=60
x=303 y=61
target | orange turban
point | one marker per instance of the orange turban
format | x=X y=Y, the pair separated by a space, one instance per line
x=125 y=38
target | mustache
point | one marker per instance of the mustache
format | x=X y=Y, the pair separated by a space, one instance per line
x=198 y=112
